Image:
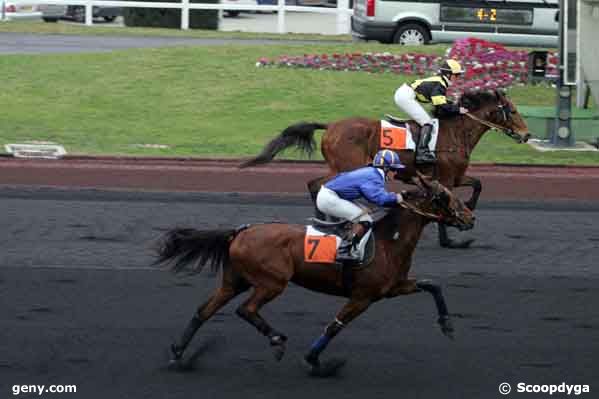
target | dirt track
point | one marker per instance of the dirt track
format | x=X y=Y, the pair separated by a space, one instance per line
x=499 y=182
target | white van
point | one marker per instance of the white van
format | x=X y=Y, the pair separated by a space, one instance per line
x=513 y=22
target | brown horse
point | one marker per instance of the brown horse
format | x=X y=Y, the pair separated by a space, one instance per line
x=268 y=256
x=352 y=143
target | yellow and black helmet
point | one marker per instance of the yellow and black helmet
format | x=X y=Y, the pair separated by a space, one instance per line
x=451 y=67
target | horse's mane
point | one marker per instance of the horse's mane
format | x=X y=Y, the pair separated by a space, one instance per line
x=477 y=100
x=472 y=100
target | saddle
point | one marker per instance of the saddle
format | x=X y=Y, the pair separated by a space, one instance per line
x=323 y=239
x=397 y=134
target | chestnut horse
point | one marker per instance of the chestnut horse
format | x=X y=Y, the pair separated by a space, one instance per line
x=351 y=143
x=268 y=256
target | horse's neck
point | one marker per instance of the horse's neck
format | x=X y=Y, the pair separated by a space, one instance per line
x=399 y=241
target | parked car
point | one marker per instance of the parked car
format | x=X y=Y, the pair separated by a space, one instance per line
x=17 y=11
x=235 y=13
x=52 y=12
x=529 y=23
x=109 y=14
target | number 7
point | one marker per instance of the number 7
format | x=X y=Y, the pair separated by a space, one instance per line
x=315 y=242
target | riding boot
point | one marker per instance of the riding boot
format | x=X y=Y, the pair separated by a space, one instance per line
x=423 y=153
x=348 y=250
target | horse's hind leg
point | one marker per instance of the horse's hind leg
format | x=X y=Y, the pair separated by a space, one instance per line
x=350 y=311
x=249 y=312
x=230 y=288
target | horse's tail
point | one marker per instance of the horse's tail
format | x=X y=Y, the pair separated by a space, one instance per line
x=184 y=248
x=300 y=135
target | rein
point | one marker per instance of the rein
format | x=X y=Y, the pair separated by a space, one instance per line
x=492 y=125
x=415 y=209
x=487 y=123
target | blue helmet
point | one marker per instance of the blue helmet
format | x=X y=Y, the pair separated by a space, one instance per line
x=387 y=159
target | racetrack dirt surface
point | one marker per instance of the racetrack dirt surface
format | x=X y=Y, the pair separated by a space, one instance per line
x=159 y=174
x=81 y=304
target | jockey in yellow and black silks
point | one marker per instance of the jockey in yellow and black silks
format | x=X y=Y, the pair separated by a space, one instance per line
x=429 y=90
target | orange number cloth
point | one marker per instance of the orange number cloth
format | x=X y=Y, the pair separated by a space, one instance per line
x=320 y=249
x=393 y=138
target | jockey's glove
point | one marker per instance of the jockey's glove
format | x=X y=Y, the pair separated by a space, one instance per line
x=464 y=110
x=399 y=198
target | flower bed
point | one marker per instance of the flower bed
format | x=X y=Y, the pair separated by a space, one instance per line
x=488 y=66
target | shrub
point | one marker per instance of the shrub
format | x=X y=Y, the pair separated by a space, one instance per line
x=171 y=18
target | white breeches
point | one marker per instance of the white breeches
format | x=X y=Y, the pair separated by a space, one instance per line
x=405 y=98
x=329 y=203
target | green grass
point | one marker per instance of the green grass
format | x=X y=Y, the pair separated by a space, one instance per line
x=209 y=101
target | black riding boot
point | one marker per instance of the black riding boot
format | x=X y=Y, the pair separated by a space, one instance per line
x=348 y=248
x=423 y=153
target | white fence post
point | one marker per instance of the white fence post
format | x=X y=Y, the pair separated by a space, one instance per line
x=89 y=13
x=281 y=17
x=3 y=15
x=185 y=14
x=342 y=17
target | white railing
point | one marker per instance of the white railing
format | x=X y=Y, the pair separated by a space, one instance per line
x=342 y=10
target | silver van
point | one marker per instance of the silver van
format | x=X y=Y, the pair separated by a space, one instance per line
x=513 y=22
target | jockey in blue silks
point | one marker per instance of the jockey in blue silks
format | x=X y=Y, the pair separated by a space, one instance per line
x=336 y=197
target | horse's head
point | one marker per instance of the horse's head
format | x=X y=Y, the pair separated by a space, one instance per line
x=442 y=205
x=499 y=110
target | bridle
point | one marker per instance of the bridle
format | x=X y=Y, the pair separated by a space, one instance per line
x=436 y=198
x=505 y=110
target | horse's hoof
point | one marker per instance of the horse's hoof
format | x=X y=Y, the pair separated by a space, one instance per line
x=279 y=351
x=328 y=368
x=447 y=327
x=176 y=364
x=457 y=244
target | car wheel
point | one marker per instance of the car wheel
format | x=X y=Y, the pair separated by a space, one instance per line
x=110 y=18
x=50 y=19
x=79 y=14
x=411 y=35
x=232 y=13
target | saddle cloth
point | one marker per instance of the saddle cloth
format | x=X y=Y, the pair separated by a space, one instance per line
x=322 y=247
x=398 y=136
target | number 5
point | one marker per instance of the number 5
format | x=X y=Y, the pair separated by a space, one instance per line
x=388 y=140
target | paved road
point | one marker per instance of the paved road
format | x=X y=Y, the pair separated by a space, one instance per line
x=23 y=43
x=29 y=43
x=79 y=304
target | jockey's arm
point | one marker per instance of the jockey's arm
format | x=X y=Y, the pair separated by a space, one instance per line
x=376 y=193
x=440 y=101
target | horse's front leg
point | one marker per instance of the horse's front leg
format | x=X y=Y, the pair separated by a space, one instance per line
x=350 y=311
x=477 y=187
x=411 y=286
